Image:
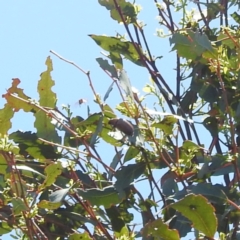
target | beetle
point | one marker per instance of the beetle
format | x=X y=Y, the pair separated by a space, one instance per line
x=122 y=125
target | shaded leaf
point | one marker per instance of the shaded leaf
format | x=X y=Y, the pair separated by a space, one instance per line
x=107 y=196
x=115 y=161
x=108 y=92
x=127 y=174
x=85 y=179
x=30 y=145
x=211 y=124
x=97 y=131
x=115 y=218
x=107 y=67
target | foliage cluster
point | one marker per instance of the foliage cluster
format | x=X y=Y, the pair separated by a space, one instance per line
x=54 y=183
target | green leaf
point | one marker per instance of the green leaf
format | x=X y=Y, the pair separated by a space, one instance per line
x=115 y=217
x=209 y=93
x=19 y=100
x=30 y=145
x=108 y=92
x=236 y=17
x=225 y=40
x=49 y=205
x=131 y=153
x=159 y=229
x=46 y=129
x=107 y=67
x=115 y=161
x=18 y=205
x=188 y=100
x=52 y=171
x=213 y=193
x=166 y=125
x=127 y=10
x=192 y=44
x=97 y=132
x=79 y=236
x=6 y=115
x=108 y=112
x=5 y=228
x=197 y=209
x=190 y=146
x=107 y=196
x=127 y=174
x=116 y=46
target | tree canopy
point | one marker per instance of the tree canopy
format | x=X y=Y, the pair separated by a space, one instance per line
x=170 y=142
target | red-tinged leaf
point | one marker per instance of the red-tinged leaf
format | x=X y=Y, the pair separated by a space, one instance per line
x=16 y=98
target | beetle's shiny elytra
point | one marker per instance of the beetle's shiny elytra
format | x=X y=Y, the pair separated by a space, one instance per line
x=122 y=125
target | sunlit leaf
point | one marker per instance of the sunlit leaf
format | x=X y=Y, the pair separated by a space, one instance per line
x=79 y=236
x=6 y=114
x=127 y=10
x=159 y=229
x=18 y=205
x=167 y=124
x=131 y=153
x=202 y=214
x=192 y=44
x=117 y=46
x=47 y=98
x=49 y=205
x=52 y=171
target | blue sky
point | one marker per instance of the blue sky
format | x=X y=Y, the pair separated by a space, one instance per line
x=30 y=29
